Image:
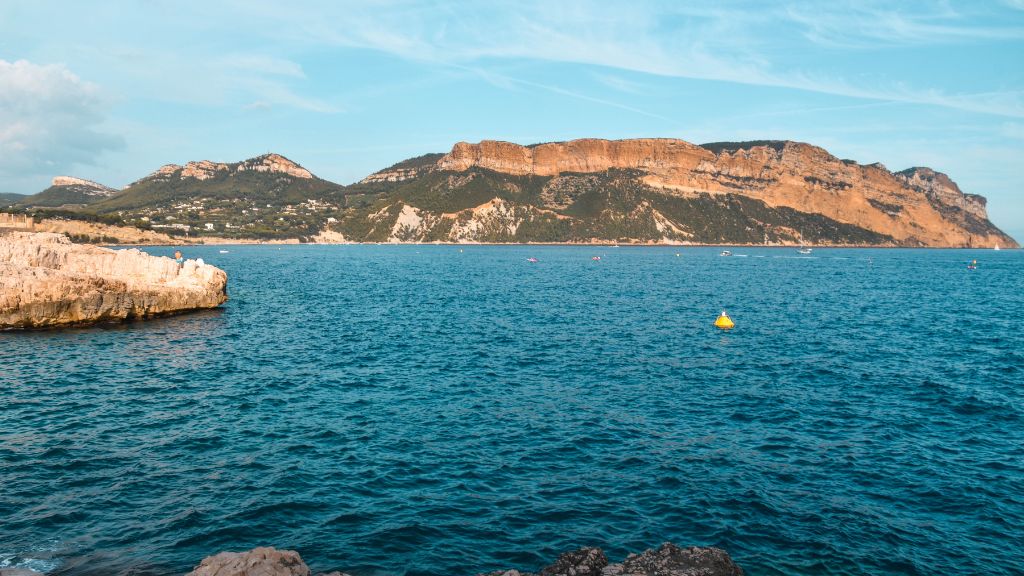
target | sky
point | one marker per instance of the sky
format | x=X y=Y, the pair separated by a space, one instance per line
x=112 y=90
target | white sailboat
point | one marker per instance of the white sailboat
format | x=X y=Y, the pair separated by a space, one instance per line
x=803 y=248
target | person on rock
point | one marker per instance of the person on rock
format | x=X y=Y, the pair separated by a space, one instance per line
x=178 y=258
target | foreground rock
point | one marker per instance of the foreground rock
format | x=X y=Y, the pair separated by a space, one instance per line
x=47 y=281
x=255 y=562
x=667 y=560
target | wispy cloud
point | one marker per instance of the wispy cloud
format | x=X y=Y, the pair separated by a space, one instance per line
x=262 y=64
x=235 y=79
x=728 y=41
x=507 y=82
x=872 y=25
x=258 y=105
x=619 y=83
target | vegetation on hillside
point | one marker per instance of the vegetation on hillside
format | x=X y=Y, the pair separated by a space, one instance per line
x=434 y=205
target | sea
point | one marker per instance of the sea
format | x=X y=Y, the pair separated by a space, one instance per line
x=449 y=410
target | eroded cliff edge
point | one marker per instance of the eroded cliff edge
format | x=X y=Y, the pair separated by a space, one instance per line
x=659 y=190
x=47 y=281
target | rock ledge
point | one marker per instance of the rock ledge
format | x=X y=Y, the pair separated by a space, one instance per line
x=46 y=281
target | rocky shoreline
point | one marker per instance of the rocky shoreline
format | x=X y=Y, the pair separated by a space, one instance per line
x=666 y=560
x=47 y=281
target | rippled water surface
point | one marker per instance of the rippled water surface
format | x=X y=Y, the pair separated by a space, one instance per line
x=421 y=410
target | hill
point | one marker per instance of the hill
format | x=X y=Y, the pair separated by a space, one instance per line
x=664 y=191
x=66 y=192
x=267 y=196
x=8 y=198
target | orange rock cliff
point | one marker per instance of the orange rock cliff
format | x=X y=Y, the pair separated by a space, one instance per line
x=918 y=205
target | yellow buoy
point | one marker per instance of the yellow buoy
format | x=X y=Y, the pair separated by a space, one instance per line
x=724 y=322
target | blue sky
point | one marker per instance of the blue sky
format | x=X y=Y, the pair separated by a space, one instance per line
x=112 y=90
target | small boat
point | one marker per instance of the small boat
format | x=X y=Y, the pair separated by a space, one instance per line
x=223 y=251
x=973 y=265
x=996 y=247
x=725 y=253
x=596 y=258
x=532 y=259
x=804 y=250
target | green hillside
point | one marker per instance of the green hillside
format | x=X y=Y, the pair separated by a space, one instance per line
x=614 y=206
x=58 y=196
x=8 y=198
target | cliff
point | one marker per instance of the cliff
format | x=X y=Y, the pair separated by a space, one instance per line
x=916 y=207
x=47 y=281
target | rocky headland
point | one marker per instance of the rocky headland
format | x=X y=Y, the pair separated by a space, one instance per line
x=47 y=281
x=914 y=207
x=666 y=560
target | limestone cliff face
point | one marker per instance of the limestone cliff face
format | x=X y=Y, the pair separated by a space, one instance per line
x=657 y=155
x=395 y=175
x=47 y=281
x=405 y=170
x=915 y=207
x=940 y=187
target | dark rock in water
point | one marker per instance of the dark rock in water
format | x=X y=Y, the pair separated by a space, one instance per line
x=668 y=560
x=582 y=562
x=671 y=560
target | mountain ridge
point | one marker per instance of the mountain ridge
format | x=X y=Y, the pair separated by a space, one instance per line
x=645 y=190
x=918 y=206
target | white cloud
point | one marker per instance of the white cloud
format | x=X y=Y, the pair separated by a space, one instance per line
x=50 y=121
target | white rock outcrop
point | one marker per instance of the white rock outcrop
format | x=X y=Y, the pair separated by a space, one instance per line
x=47 y=281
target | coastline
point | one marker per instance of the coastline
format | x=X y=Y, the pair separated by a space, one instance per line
x=111 y=235
x=296 y=242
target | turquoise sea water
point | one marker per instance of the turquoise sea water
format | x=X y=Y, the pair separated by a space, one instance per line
x=421 y=410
